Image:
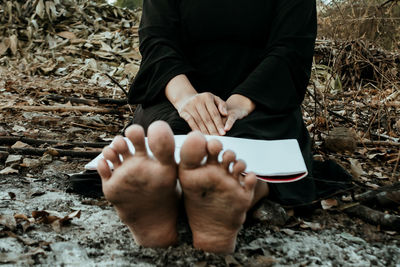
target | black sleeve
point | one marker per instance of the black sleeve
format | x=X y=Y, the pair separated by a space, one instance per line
x=279 y=82
x=162 y=57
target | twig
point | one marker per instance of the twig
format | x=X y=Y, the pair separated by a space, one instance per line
x=71 y=99
x=384 y=196
x=122 y=88
x=10 y=140
x=330 y=111
x=58 y=152
x=63 y=108
x=375 y=217
x=116 y=83
x=379 y=143
x=396 y=166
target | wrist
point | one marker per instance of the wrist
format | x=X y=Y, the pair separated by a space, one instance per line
x=242 y=102
x=178 y=90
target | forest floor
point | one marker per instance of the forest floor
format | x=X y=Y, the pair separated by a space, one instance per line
x=43 y=223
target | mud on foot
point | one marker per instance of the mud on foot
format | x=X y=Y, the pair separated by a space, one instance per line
x=216 y=198
x=144 y=189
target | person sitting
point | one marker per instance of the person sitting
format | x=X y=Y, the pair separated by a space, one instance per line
x=236 y=68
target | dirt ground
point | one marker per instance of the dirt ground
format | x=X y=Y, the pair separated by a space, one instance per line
x=43 y=223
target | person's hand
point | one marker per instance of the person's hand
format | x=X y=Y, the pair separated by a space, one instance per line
x=203 y=112
x=239 y=107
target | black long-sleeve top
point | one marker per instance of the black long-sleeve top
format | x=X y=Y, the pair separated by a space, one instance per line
x=261 y=49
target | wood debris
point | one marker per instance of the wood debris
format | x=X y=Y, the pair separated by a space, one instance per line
x=69 y=38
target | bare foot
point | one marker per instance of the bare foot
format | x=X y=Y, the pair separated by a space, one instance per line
x=143 y=189
x=216 y=199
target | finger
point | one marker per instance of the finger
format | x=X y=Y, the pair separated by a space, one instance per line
x=230 y=121
x=221 y=104
x=189 y=119
x=216 y=117
x=199 y=121
x=206 y=118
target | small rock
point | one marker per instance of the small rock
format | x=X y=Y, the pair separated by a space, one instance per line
x=271 y=213
x=46 y=158
x=19 y=144
x=71 y=254
x=18 y=128
x=341 y=139
x=13 y=159
x=30 y=163
x=8 y=221
x=8 y=170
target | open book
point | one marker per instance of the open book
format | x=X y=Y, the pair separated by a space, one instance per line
x=277 y=161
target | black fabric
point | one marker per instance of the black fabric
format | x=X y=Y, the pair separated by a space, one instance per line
x=260 y=49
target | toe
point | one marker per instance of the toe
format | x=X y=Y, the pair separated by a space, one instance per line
x=111 y=155
x=121 y=147
x=214 y=147
x=238 y=168
x=228 y=158
x=193 y=150
x=161 y=142
x=250 y=181
x=135 y=134
x=104 y=170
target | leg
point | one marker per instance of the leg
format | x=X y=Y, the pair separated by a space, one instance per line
x=144 y=190
x=216 y=199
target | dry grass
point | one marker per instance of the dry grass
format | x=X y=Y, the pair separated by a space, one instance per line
x=376 y=21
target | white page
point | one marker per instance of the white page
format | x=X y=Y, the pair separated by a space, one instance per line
x=265 y=158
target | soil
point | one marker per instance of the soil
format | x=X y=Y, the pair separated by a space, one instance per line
x=96 y=237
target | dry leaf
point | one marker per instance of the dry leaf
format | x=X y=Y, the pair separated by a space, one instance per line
x=14 y=44
x=8 y=221
x=67 y=35
x=356 y=168
x=8 y=170
x=13 y=159
x=311 y=225
x=19 y=144
x=329 y=203
x=4 y=47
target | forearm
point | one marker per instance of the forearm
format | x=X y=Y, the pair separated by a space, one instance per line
x=178 y=89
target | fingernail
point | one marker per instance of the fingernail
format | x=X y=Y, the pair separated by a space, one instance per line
x=221 y=132
x=225 y=111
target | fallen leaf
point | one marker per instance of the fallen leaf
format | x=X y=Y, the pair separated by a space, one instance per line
x=8 y=170
x=287 y=231
x=329 y=203
x=14 y=44
x=13 y=159
x=356 y=168
x=311 y=225
x=19 y=144
x=8 y=221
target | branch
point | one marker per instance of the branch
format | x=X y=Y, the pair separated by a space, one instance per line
x=54 y=152
x=63 y=108
x=10 y=140
x=374 y=217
